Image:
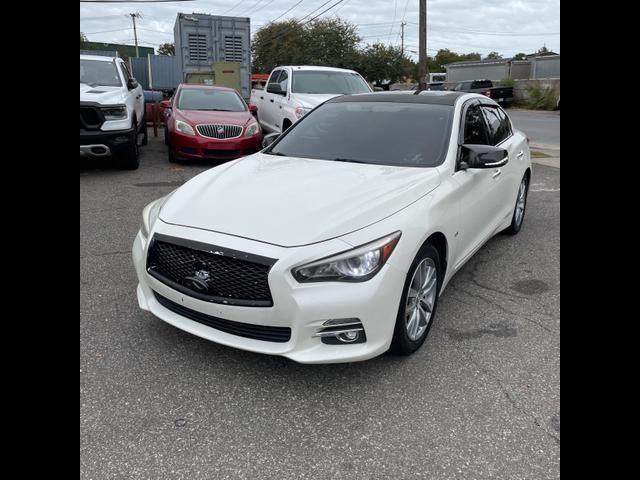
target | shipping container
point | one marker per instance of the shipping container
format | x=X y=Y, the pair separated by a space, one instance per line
x=202 y=41
x=157 y=72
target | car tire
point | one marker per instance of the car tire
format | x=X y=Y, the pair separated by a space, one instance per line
x=130 y=158
x=171 y=156
x=407 y=336
x=145 y=133
x=520 y=208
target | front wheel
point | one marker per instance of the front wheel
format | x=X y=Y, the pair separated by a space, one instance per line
x=129 y=159
x=418 y=302
x=519 y=210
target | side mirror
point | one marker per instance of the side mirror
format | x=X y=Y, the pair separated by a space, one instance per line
x=269 y=139
x=276 y=88
x=482 y=156
x=132 y=83
x=253 y=109
x=166 y=104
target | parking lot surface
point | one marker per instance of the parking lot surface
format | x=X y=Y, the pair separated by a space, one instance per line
x=480 y=400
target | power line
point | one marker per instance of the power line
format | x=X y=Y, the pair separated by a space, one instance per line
x=282 y=15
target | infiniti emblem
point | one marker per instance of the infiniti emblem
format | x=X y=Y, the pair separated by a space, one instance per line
x=198 y=281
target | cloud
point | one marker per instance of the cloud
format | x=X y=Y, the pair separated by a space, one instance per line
x=507 y=27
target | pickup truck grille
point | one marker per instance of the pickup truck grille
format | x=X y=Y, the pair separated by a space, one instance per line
x=90 y=118
x=219 y=131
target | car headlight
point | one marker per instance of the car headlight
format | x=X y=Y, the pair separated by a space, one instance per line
x=184 y=127
x=252 y=129
x=302 y=111
x=150 y=214
x=355 y=265
x=118 y=112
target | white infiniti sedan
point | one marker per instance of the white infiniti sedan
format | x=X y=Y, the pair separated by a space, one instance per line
x=334 y=243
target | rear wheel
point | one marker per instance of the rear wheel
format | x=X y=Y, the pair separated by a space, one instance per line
x=418 y=302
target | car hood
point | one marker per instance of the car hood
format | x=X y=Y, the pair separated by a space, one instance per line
x=311 y=100
x=197 y=117
x=290 y=201
x=101 y=95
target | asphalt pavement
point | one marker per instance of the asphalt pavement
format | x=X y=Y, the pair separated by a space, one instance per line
x=480 y=400
x=542 y=127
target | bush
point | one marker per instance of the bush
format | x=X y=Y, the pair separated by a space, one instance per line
x=541 y=98
x=505 y=82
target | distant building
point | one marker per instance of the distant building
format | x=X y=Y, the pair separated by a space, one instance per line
x=124 y=51
x=534 y=67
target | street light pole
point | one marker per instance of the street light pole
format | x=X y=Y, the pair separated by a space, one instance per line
x=402 y=24
x=422 y=50
x=135 y=33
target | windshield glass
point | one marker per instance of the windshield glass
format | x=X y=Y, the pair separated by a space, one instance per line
x=95 y=72
x=207 y=99
x=318 y=81
x=384 y=133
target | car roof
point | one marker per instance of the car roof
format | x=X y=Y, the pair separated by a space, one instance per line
x=313 y=67
x=403 y=96
x=198 y=86
x=100 y=58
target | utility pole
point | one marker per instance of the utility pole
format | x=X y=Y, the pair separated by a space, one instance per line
x=422 y=50
x=402 y=24
x=135 y=33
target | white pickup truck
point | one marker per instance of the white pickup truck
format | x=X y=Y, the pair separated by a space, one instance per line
x=112 y=119
x=292 y=91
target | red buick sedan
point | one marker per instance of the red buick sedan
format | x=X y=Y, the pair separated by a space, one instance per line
x=210 y=123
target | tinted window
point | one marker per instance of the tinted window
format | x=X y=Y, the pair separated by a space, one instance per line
x=401 y=134
x=274 y=76
x=205 y=99
x=482 y=84
x=498 y=130
x=96 y=72
x=504 y=120
x=125 y=71
x=318 y=81
x=474 y=127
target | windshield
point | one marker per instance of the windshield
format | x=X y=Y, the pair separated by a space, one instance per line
x=95 y=72
x=318 y=81
x=384 y=133
x=208 y=99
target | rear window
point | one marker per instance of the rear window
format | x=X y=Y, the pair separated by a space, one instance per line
x=402 y=134
x=482 y=84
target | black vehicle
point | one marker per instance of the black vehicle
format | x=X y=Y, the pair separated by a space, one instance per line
x=502 y=95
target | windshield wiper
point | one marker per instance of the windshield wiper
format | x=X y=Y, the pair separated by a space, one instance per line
x=348 y=160
x=215 y=110
x=91 y=84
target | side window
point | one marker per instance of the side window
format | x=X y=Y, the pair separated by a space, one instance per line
x=504 y=120
x=283 y=79
x=274 y=76
x=474 y=126
x=496 y=126
x=125 y=70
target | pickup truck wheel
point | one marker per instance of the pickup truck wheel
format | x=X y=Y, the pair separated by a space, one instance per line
x=129 y=159
x=145 y=135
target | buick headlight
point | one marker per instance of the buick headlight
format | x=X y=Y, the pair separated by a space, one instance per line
x=301 y=112
x=184 y=127
x=356 y=265
x=150 y=215
x=252 y=129
x=118 y=112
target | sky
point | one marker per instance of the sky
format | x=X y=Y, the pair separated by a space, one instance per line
x=505 y=26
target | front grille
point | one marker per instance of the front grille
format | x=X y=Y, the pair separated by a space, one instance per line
x=210 y=273
x=90 y=118
x=219 y=131
x=222 y=153
x=247 y=330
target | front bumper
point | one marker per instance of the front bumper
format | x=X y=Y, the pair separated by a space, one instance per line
x=204 y=148
x=98 y=143
x=301 y=307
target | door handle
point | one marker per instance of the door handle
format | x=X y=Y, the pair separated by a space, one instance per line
x=496 y=173
x=520 y=154
x=271 y=100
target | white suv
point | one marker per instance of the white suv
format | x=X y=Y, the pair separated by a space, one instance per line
x=112 y=119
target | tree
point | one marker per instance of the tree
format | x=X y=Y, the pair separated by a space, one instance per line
x=379 y=63
x=543 y=51
x=329 y=42
x=83 y=41
x=520 y=56
x=493 y=56
x=167 y=49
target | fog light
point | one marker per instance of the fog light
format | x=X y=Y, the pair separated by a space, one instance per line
x=348 y=337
